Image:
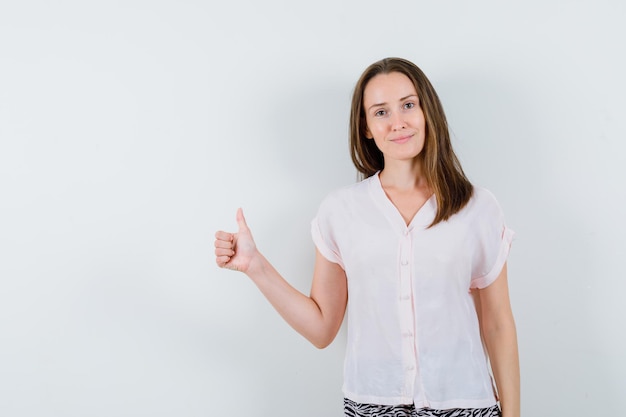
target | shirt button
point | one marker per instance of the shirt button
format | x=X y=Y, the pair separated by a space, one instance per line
x=404 y=262
x=410 y=368
x=407 y=334
x=405 y=297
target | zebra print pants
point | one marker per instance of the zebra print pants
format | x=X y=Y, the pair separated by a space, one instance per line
x=352 y=409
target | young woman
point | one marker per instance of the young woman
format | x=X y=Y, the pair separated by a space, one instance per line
x=415 y=253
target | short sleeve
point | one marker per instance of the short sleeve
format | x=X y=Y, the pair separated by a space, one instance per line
x=324 y=232
x=493 y=240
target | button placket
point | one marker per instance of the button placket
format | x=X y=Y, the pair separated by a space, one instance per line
x=406 y=312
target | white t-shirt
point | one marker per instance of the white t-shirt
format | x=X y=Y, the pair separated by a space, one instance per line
x=413 y=332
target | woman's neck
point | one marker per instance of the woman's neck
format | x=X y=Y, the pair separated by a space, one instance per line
x=403 y=176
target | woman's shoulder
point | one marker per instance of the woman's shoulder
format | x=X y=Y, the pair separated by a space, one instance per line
x=483 y=202
x=346 y=196
x=483 y=195
x=350 y=191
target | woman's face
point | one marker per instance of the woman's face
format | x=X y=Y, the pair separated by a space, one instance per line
x=394 y=117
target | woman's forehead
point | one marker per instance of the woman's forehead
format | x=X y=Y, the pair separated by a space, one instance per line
x=385 y=88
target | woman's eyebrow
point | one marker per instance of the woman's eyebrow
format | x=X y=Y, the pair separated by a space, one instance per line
x=409 y=96
x=383 y=104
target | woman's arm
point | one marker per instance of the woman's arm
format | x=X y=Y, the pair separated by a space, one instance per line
x=498 y=330
x=317 y=317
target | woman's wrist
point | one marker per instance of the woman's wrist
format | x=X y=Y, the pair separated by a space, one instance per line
x=256 y=267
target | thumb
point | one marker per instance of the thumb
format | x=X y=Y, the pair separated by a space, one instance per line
x=241 y=221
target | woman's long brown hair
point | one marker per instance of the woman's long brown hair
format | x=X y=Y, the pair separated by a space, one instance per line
x=441 y=167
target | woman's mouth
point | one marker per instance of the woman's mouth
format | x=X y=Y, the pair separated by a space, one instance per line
x=402 y=139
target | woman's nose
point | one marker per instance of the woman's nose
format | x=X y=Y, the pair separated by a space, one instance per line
x=397 y=121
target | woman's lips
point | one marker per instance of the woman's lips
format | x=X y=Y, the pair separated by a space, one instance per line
x=401 y=139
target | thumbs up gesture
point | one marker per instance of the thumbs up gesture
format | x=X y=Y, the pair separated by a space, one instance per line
x=235 y=250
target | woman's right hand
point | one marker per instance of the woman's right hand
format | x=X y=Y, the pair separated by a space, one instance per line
x=318 y=316
x=235 y=250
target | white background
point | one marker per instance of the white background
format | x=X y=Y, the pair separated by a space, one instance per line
x=130 y=131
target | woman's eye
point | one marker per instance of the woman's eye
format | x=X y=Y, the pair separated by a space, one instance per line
x=409 y=105
x=379 y=113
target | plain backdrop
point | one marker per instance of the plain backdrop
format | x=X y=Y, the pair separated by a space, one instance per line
x=130 y=131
